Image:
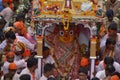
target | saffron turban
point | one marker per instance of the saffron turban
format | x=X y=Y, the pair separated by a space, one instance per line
x=84 y=62
x=20 y=26
x=12 y=66
x=115 y=77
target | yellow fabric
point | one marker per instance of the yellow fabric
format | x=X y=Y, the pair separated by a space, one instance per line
x=19 y=46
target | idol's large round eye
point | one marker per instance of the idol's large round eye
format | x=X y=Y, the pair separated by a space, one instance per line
x=61 y=33
x=71 y=32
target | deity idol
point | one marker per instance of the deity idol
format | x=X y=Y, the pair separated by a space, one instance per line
x=66 y=50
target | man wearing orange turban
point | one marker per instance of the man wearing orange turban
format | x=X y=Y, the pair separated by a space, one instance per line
x=9 y=59
x=10 y=56
x=21 y=30
x=12 y=68
x=12 y=71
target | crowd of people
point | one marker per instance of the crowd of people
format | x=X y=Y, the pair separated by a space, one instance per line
x=18 y=46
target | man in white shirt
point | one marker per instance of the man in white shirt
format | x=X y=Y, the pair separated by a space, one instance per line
x=101 y=74
x=9 y=59
x=7 y=12
x=32 y=64
x=109 y=69
x=11 y=39
x=111 y=18
x=112 y=32
x=83 y=73
x=47 y=57
x=12 y=72
x=48 y=71
x=108 y=60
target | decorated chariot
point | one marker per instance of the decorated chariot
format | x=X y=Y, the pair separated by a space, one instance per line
x=70 y=28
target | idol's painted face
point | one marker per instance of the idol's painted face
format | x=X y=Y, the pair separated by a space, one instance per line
x=66 y=36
